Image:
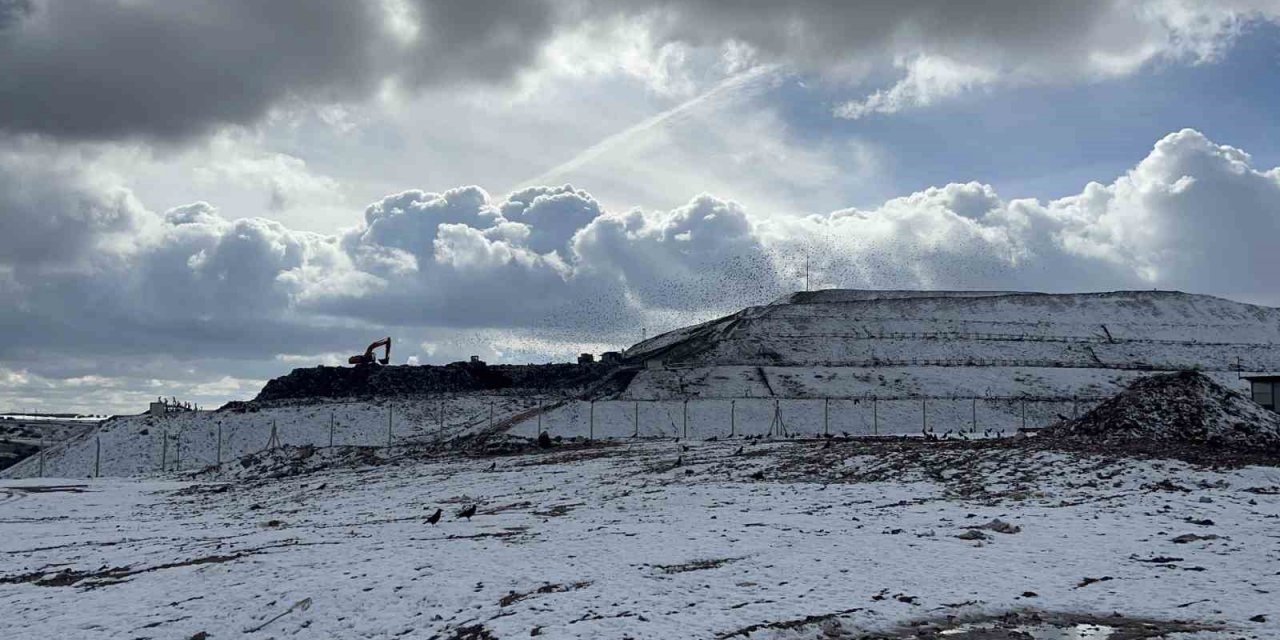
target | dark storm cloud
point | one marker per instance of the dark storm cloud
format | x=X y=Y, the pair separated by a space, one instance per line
x=105 y=69
x=11 y=11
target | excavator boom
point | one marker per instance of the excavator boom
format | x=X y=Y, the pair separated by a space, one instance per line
x=368 y=358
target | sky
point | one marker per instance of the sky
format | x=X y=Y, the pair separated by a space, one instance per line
x=199 y=195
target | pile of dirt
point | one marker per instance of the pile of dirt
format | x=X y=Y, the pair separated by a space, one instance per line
x=366 y=381
x=1177 y=410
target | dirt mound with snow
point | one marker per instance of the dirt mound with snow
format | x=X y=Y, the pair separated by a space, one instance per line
x=1178 y=409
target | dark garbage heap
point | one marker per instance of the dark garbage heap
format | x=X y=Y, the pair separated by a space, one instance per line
x=1176 y=410
x=367 y=381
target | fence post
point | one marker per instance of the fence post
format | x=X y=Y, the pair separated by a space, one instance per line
x=1024 y=413
x=390 y=408
x=591 y=422
x=97 y=455
x=875 y=416
x=924 y=415
x=42 y=448
x=539 y=417
x=177 y=452
x=974 y=428
x=490 y=414
x=826 y=416
x=164 y=450
x=733 y=418
x=636 y=420
x=1074 y=407
x=220 y=444
x=685 y=418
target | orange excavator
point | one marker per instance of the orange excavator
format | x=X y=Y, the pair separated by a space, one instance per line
x=367 y=357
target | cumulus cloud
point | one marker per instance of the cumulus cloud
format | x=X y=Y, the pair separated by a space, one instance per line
x=58 y=210
x=547 y=266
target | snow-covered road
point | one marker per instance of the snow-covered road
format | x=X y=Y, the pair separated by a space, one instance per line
x=619 y=541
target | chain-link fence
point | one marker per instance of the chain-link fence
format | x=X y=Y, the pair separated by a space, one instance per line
x=197 y=440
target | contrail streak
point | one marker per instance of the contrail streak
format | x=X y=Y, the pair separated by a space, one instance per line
x=729 y=86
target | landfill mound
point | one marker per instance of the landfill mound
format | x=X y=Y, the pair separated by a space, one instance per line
x=364 y=381
x=1176 y=409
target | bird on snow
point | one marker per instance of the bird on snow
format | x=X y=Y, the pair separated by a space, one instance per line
x=679 y=461
x=738 y=452
x=493 y=466
x=468 y=512
x=759 y=475
x=435 y=517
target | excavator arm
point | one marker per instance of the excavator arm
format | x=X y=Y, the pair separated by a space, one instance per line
x=368 y=358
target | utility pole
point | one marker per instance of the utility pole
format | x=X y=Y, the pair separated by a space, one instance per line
x=806 y=271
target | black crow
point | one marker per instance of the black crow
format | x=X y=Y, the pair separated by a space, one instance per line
x=468 y=512
x=435 y=517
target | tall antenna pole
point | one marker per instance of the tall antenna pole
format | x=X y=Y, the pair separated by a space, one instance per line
x=806 y=271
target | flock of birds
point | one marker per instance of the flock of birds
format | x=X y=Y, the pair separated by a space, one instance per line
x=470 y=510
x=961 y=434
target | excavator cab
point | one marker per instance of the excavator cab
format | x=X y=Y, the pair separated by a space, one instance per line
x=368 y=358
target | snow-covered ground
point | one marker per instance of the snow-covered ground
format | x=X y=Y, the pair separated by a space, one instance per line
x=646 y=540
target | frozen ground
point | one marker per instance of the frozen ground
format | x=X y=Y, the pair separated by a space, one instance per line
x=648 y=540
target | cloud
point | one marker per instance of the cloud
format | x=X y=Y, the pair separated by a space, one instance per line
x=58 y=210
x=941 y=49
x=171 y=70
x=548 y=269
x=928 y=79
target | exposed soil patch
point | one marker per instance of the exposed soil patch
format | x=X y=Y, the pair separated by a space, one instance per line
x=516 y=596
x=1037 y=625
x=696 y=565
x=104 y=576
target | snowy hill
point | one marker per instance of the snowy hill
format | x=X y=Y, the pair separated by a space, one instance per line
x=857 y=362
